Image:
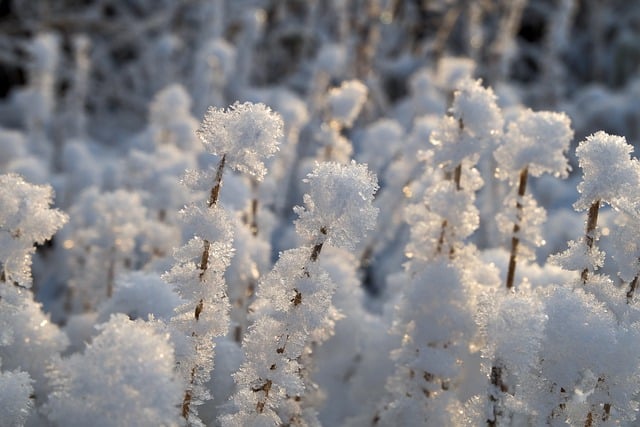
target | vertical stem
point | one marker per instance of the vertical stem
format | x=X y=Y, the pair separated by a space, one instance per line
x=217 y=183
x=457 y=176
x=498 y=388
x=213 y=200
x=589 y=235
x=515 y=240
x=253 y=224
x=204 y=264
x=632 y=289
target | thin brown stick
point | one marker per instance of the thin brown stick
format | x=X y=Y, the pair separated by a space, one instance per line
x=632 y=289
x=589 y=235
x=217 y=183
x=515 y=240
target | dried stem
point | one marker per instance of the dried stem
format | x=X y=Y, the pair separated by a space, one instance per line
x=111 y=272
x=457 y=176
x=253 y=223
x=499 y=387
x=589 y=235
x=315 y=252
x=515 y=240
x=204 y=265
x=632 y=289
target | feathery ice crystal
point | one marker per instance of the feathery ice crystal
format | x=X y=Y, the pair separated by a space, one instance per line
x=245 y=134
x=337 y=209
x=25 y=219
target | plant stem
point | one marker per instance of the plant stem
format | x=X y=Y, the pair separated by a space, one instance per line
x=632 y=289
x=217 y=183
x=499 y=387
x=457 y=175
x=213 y=200
x=515 y=240
x=589 y=235
x=204 y=264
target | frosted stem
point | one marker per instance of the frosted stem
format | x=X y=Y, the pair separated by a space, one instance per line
x=515 y=240
x=632 y=289
x=253 y=224
x=204 y=264
x=498 y=387
x=215 y=190
x=589 y=235
x=457 y=176
x=213 y=200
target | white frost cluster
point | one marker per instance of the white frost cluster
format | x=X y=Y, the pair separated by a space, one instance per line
x=338 y=206
x=25 y=219
x=246 y=134
x=609 y=174
x=346 y=101
x=15 y=403
x=537 y=141
x=125 y=377
x=475 y=124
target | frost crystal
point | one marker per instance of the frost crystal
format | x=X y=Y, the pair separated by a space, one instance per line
x=338 y=207
x=125 y=377
x=15 y=403
x=25 y=219
x=346 y=102
x=246 y=134
x=476 y=122
x=609 y=174
x=537 y=140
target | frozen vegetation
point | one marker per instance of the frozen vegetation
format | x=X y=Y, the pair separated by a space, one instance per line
x=301 y=213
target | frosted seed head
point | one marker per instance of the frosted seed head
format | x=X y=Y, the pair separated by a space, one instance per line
x=537 y=140
x=475 y=124
x=338 y=206
x=346 y=101
x=246 y=133
x=609 y=173
x=477 y=108
x=25 y=219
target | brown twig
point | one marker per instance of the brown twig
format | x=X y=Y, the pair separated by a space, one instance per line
x=515 y=240
x=589 y=235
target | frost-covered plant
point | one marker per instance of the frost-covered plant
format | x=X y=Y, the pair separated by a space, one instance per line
x=343 y=105
x=109 y=234
x=293 y=309
x=125 y=377
x=609 y=176
x=587 y=370
x=535 y=143
x=512 y=326
x=38 y=100
x=29 y=341
x=243 y=136
x=25 y=219
x=475 y=125
x=433 y=313
x=15 y=398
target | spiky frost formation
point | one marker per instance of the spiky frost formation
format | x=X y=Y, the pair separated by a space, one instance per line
x=198 y=277
x=537 y=140
x=293 y=310
x=25 y=218
x=609 y=173
x=338 y=206
x=475 y=123
x=245 y=133
x=125 y=377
